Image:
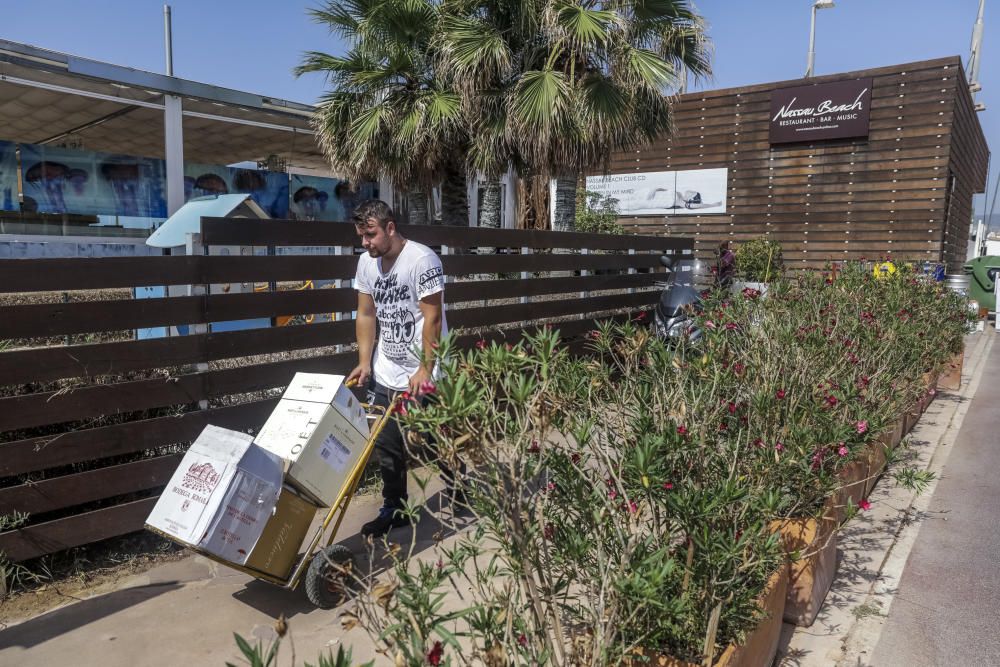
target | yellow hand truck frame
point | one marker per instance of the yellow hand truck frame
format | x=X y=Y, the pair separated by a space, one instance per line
x=323 y=569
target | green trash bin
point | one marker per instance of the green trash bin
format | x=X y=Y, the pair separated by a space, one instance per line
x=982 y=272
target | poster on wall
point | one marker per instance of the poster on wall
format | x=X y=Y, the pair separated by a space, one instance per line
x=690 y=192
x=8 y=176
x=269 y=189
x=62 y=180
x=329 y=199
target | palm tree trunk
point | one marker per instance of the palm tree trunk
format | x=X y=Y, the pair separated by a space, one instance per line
x=490 y=213
x=565 y=205
x=455 y=196
x=533 y=202
x=416 y=207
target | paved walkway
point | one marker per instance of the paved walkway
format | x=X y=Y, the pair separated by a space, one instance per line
x=947 y=608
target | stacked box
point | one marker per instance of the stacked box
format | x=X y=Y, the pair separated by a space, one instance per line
x=319 y=430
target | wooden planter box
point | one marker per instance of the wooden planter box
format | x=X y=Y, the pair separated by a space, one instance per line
x=892 y=436
x=810 y=577
x=951 y=376
x=877 y=457
x=910 y=418
x=760 y=646
x=852 y=488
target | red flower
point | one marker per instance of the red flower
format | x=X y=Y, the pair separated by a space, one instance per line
x=641 y=317
x=732 y=408
x=632 y=507
x=481 y=344
x=435 y=654
x=723 y=427
x=522 y=640
x=427 y=387
x=575 y=458
x=550 y=532
x=864 y=505
x=668 y=485
x=738 y=368
x=533 y=448
x=758 y=442
x=594 y=334
x=831 y=400
x=780 y=394
x=709 y=324
x=778 y=447
x=731 y=326
x=682 y=430
x=612 y=494
x=751 y=293
x=861 y=426
x=508 y=347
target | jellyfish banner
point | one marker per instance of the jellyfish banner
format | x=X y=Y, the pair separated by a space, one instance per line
x=8 y=176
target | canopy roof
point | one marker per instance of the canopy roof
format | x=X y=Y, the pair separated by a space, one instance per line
x=47 y=97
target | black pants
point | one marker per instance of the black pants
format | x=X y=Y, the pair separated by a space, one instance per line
x=391 y=453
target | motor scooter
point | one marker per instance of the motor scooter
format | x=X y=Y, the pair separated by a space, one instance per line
x=673 y=317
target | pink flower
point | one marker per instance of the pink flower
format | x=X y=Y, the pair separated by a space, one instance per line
x=551 y=486
x=731 y=326
x=862 y=426
x=843 y=451
x=758 y=443
x=831 y=400
x=780 y=394
x=751 y=293
x=434 y=655
x=709 y=324
x=427 y=387
x=778 y=447
x=668 y=485
x=533 y=448
x=738 y=368
x=612 y=494
x=723 y=427
x=732 y=408
x=522 y=640
x=864 y=505
x=594 y=334
x=682 y=430
x=632 y=507
x=480 y=344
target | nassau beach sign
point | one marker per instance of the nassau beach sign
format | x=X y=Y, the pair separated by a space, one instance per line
x=824 y=111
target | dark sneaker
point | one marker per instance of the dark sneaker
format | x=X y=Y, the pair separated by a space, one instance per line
x=387 y=519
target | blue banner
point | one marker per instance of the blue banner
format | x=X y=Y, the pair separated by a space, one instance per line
x=61 y=180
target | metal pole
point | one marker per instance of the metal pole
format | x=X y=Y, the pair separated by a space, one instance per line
x=975 y=48
x=168 y=40
x=812 y=44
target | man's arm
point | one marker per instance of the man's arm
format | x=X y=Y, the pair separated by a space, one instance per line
x=364 y=328
x=431 y=307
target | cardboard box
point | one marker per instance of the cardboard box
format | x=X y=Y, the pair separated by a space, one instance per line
x=320 y=431
x=221 y=496
x=278 y=547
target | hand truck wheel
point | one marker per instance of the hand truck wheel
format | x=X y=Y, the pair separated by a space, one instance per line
x=330 y=576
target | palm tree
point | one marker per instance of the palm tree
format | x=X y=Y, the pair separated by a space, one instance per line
x=388 y=113
x=553 y=87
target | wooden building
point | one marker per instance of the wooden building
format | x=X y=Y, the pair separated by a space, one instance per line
x=900 y=183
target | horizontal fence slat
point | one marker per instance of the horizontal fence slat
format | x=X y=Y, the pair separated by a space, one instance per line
x=519 y=312
x=90 y=273
x=52 y=363
x=39 y=320
x=51 y=451
x=222 y=231
x=464 y=264
x=493 y=289
x=73 y=531
x=55 y=275
x=18 y=412
x=69 y=490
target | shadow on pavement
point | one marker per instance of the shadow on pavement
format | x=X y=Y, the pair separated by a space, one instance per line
x=371 y=559
x=72 y=617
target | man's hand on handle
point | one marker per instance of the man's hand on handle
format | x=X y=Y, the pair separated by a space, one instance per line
x=419 y=381
x=360 y=376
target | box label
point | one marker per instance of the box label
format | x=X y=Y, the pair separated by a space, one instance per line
x=334 y=453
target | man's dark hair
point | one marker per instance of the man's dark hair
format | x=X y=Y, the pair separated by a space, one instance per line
x=373 y=209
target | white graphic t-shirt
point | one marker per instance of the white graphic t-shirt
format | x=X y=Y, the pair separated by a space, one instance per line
x=416 y=274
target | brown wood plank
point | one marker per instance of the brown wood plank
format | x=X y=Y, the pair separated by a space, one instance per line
x=221 y=231
x=56 y=275
x=38 y=320
x=26 y=411
x=52 y=451
x=68 y=490
x=526 y=312
x=73 y=531
x=493 y=289
x=53 y=363
x=466 y=264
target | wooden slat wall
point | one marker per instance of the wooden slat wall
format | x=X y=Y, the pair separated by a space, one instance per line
x=104 y=422
x=833 y=200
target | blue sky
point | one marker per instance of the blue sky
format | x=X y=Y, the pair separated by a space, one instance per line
x=253 y=45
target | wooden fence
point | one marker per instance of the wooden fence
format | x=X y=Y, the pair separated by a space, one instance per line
x=92 y=425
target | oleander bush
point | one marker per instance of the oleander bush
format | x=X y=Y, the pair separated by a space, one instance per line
x=623 y=499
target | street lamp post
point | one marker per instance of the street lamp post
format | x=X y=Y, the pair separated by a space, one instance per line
x=819 y=4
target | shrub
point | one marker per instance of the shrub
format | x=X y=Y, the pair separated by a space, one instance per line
x=759 y=260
